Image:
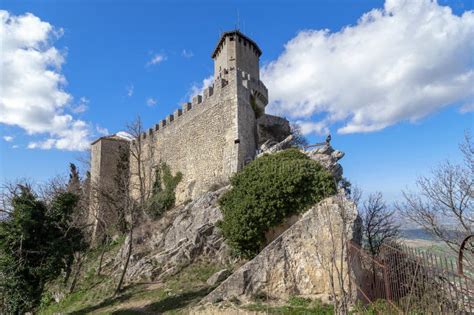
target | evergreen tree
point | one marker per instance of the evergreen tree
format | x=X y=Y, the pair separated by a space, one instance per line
x=36 y=244
x=121 y=184
x=74 y=183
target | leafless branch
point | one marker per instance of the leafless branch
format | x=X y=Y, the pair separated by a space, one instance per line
x=444 y=203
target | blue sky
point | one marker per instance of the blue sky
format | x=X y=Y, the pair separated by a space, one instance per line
x=106 y=50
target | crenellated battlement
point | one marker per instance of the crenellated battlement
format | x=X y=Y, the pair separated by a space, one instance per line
x=208 y=96
x=252 y=84
x=243 y=79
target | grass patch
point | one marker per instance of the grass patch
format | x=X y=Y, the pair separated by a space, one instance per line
x=294 y=306
x=95 y=294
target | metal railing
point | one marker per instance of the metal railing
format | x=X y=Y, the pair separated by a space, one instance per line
x=410 y=280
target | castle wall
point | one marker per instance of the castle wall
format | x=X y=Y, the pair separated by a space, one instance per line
x=207 y=140
x=198 y=142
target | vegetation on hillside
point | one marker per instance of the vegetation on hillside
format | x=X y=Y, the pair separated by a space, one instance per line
x=95 y=294
x=38 y=240
x=164 y=190
x=265 y=192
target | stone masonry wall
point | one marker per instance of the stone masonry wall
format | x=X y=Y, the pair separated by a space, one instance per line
x=204 y=140
x=104 y=157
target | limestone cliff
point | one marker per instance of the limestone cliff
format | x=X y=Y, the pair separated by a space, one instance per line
x=182 y=236
x=296 y=262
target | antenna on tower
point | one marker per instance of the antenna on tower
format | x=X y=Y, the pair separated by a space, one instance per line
x=237 y=26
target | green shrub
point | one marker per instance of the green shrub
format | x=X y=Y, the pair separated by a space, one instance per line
x=163 y=195
x=299 y=301
x=265 y=192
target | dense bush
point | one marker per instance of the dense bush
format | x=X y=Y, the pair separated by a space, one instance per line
x=37 y=243
x=164 y=191
x=265 y=192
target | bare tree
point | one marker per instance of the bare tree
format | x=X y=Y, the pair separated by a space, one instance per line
x=141 y=158
x=128 y=206
x=378 y=223
x=50 y=188
x=443 y=204
x=7 y=192
x=299 y=139
x=135 y=165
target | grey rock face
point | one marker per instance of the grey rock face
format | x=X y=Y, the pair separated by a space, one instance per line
x=218 y=277
x=180 y=237
x=295 y=263
x=328 y=157
x=272 y=147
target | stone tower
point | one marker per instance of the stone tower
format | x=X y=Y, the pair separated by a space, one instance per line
x=234 y=50
x=212 y=137
x=105 y=153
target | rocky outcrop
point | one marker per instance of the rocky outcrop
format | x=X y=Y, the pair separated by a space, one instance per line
x=328 y=157
x=180 y=237
x=271 y=147
x=298 y=262
x=218 y=277
x=324 y=153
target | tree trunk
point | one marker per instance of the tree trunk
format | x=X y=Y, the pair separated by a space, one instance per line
x=76 y=274
x=129 y=254
x=102 y=254
x=69 y=265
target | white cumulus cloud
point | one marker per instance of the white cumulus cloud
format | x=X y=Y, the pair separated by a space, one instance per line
x=198 y=88
x=399 y=63
x=8 y=138
x=308 y=127
x=102 y=131
x=125 y=135
x=32 y=94
x=467 y=108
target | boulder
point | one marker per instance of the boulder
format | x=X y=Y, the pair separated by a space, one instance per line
x=298 y=261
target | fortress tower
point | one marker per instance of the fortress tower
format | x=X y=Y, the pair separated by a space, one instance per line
x=234 y=50
x=210 y=138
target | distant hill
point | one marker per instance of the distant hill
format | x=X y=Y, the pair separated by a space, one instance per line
x=417 y=234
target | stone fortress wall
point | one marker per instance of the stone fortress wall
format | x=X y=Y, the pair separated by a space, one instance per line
x=206 y=140
x=210 y=138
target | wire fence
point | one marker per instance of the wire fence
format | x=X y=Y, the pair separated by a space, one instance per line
x=410 y=281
